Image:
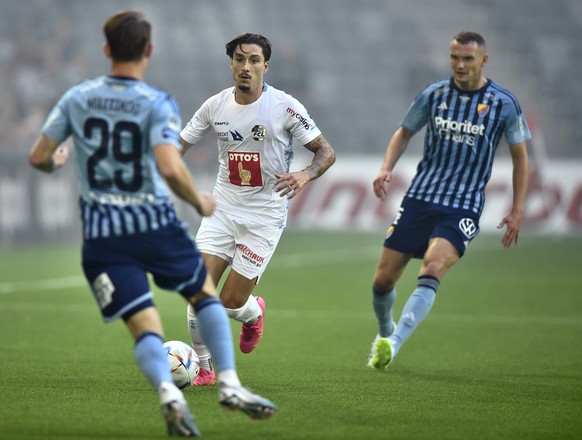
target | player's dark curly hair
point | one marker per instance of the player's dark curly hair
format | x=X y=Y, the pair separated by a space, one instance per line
x=127 y=34
x=249 y=38
x=469 y=37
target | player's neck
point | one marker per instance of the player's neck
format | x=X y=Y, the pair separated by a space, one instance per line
x=472 y=86
x=129 y=69
x=246 y=97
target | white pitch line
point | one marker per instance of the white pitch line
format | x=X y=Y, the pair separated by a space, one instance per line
x=288 y=261
x=43 y=285
x=285 y=261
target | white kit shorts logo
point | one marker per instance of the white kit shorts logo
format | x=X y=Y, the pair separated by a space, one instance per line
x=468 y=227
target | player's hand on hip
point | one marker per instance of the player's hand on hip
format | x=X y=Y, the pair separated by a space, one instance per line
x=207 y=204
x=60 y=156
x=290 y=184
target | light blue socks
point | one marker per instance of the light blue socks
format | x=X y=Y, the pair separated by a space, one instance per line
x=383 y=303
x=152 y=358
x=215 y=331
x=214 y=327
x=415 y=310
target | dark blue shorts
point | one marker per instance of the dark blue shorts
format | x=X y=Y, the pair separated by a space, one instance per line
x=117 y=268
x=417 y=222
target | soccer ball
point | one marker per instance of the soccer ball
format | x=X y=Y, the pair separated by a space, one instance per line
x=184 y=363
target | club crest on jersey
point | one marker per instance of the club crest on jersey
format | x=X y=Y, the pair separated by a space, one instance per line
x=468 y=227
x=259 y=133
x=483 y=109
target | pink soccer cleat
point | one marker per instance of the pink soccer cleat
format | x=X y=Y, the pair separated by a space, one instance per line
x=204 y=378
x=251 y=334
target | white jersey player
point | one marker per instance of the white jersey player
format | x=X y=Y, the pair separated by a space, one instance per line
x=254 y=146
x=256 y=125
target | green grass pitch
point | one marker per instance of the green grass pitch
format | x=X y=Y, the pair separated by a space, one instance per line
x=499 y=357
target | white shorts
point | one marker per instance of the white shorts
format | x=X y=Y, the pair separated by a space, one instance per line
x=247 y=246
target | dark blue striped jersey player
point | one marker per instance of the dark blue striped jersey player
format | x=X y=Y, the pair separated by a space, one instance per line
x=463 y=130
x=447 y=193
x=466 y=117
x=114 y=123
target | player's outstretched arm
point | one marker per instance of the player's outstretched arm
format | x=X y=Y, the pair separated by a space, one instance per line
x=520 y=176
x=323 y=158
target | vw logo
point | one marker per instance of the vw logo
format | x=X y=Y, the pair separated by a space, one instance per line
x=468 y=227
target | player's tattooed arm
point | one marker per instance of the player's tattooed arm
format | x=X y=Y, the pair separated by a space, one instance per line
x=324 y=157
x=291 y=184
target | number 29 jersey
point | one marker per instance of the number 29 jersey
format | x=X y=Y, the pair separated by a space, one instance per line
x=115 y=123
x=254 y=144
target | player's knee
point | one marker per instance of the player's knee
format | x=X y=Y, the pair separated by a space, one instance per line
x=434 y=268
x=196 y=298
x=383 y=283
x=233 y=302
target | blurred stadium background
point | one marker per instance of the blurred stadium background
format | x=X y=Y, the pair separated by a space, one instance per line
x=356 y=67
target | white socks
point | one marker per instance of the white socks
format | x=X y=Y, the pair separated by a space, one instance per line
x=249 y=313
x=197 y=343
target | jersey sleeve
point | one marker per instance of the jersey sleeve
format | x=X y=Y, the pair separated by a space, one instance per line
x=418 y=112
x=298 y=122
x=517 y=129
x=57 y=125
x=200 y=124
x=166 y=123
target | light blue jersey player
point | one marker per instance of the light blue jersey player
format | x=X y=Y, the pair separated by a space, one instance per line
x=116 y=122
x=466 y=117
x=128 y=158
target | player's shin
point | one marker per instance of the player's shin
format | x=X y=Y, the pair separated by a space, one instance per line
x=415 y=310
x=197 y=342
x=383 y=303
x=214 y=327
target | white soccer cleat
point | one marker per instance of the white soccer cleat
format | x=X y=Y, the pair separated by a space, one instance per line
x=176 y=413
x=242 y=399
